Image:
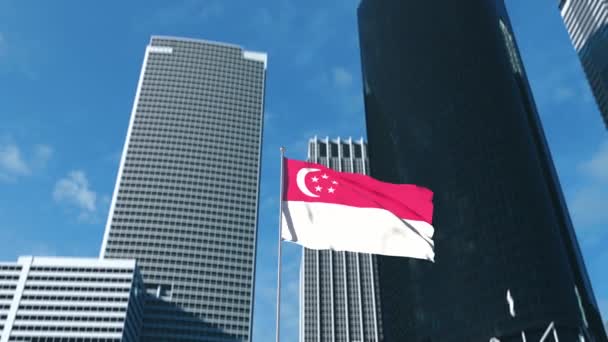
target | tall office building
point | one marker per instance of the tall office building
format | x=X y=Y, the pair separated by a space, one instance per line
x=587 y=24
x=186 y=198
x=70 y=300
x=448 y=107
x=339 y=299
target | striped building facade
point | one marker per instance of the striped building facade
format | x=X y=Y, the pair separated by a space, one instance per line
x=587 y=24
x=339 y=299
x=70 y=300
x=185 y=204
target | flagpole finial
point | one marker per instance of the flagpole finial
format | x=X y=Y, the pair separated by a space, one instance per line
x=282 y=148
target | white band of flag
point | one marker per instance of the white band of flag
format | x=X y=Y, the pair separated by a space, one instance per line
x=345 y=228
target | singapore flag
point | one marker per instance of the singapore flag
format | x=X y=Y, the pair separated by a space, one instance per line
x=326 y=209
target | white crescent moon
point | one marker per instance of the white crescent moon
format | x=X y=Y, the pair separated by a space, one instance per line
x=300 y=181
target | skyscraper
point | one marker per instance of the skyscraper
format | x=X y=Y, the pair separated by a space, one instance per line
x=186 y=197
x=339 y=299
x=587 y=24
x=70 y=299
x=448 y=107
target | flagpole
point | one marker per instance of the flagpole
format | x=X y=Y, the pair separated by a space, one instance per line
x=280 y=250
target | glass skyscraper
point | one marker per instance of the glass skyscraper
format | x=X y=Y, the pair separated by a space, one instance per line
x=185 y=203
x=339 y=298
x=448 y=107
x=587 y=24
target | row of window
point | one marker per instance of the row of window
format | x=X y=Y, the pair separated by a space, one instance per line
x=208 y=130
x=213 y=100
x=4 y=268
x=51 y=328
x=156 y=97
x=195 y=268
x=175 y=249
x=199 y=125
x=250 y=117
x=153 y=160
x=224 y=59
x=203 y=93
x=132 y=217
x=196 y=147
x=155 y=88
x=175 y=257
x=66 y=319
x=204 y=74
x=223 y=208
x=172 y=195
x=242 y=241
x=198 y=214
x=205 y=71
x=78 y=278
x=224 y=140
x=61 y=339
x=224 y=62
x=83 y=308
x=147 y=168
x=241 y=121
x=81 y=269
x=75 y=288
x=187 y=241
x=73 y=298
x=322 y=147
x=146 y=231
x=161 y=175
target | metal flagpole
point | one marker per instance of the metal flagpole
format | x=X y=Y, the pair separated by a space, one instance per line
x=280 y=251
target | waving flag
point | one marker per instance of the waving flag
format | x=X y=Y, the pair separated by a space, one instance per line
x=326 y=209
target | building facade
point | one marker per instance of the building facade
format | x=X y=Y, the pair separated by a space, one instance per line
x=339 y=297
x=448 y=107
x=70 y=300
x=587 y=24
x=186 y=197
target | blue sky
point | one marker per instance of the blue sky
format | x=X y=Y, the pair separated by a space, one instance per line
x=68 y=74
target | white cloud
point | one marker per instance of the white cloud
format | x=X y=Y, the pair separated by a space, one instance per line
x=262 y=17
x=14 y=164
x=563 y=93
x=11 y=161
x=2 y=44
x=279 y=21
x=42 y=154
x=597 y=166
x=589 y=203
x=342 y=77
x=212 y=10
x=183 y=12
x=268 y=118
x=74 y=190
x=589 y=207
x=560 y=86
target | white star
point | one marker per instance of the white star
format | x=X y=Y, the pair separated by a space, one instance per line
x=325 y=176
x=331 y=190
x=334 y=182
x=318 y=188
x=315 y=179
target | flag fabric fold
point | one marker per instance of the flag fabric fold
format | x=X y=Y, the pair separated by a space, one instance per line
x=327 y=209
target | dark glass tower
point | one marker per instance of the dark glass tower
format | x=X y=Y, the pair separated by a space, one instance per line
x=448 y=107
x=587 y=24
